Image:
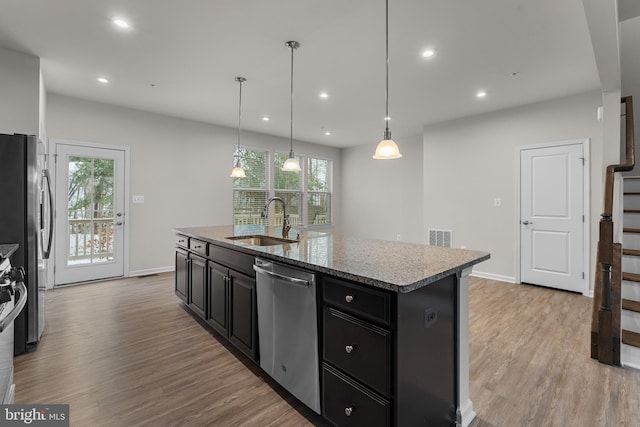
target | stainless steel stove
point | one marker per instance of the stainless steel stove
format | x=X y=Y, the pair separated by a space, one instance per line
x=13 y=296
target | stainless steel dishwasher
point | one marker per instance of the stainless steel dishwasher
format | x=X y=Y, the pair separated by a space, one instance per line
x=288 y=329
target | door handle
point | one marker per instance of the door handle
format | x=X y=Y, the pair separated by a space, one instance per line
x=527 y=223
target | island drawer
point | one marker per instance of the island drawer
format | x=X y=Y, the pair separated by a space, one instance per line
x=232 y=259
x=198 y=246
x=365 y=302
x=356 y=347
x=346 y=403
x=182 y=241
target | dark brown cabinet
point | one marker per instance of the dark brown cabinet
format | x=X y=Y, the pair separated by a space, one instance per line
x=198 y=285
x=346 y=403
x=357 y=354
x=218 y=298
x=243 y=330
x=219 y=285
x=182 y=275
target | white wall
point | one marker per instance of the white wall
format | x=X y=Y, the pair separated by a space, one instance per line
x=469 y=162
x=630 y=65
x=19 y=92
x=181 y=167
x=383 y=198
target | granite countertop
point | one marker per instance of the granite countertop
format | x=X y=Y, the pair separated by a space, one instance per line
x=6 y=250
x=396 y=266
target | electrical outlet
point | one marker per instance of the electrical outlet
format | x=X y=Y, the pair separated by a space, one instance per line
x=430 y=317
x=497 y=202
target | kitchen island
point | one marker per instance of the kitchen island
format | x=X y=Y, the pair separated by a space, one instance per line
x=393 y=316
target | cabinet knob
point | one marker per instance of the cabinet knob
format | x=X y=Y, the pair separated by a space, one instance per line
x=349 y=349
x=348 y=411
x=348 y=298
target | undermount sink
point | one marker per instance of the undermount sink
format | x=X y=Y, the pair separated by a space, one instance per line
x=261 y=240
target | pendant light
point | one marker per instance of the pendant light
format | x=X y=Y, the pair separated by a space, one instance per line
x=237 y=171
x=387 y=148
x=291 y=164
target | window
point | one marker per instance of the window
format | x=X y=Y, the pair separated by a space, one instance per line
x=250 y=193
x=307 y=194
x=287 y=186
x=318 y=191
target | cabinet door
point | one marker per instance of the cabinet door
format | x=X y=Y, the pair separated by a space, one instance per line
x=243 y=313
x=218 y=298
x=182 y=275
x=198 y=282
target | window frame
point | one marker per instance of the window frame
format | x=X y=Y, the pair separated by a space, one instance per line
x=304 y=188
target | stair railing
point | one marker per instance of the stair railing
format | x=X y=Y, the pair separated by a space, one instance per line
x=605 y=322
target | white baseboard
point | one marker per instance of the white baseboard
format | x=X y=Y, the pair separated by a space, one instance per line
x=467 y=412
x=498 y=277
x=149 y=271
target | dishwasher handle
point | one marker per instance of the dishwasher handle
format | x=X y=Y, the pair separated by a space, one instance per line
x=288 y=279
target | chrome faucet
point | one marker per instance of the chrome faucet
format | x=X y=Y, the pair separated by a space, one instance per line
x=286 y=226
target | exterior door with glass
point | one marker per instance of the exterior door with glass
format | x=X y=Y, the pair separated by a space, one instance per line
x=90 y=215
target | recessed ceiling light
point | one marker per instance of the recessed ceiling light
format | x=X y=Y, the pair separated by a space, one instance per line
x=324 y=95
x=481 y=94
x=120 y=23
x=327 y=133
x=387 y=118
x=103 y=80
x=428 y=53
x=265 y=118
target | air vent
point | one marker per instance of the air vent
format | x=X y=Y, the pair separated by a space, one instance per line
x=440 y=238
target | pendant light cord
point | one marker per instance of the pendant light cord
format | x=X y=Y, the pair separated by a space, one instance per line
x=386 y=95
x=239 y=116
x=291 y=123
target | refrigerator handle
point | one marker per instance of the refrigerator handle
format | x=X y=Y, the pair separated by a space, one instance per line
x=47 y=252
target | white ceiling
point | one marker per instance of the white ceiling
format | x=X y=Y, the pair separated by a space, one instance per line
x=191 y=51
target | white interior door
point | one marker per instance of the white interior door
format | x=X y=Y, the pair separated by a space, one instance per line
x=552 y=217
x=90 y=203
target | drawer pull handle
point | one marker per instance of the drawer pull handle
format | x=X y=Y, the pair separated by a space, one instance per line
x=197 y=247
x=348 y=411
x=348 y=298
x=349 y=348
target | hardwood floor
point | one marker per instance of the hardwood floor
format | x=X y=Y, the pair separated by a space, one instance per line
x=530 y=361
x=126 y=353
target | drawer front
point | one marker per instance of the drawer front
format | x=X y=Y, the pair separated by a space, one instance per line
x=360 y=349
x=198 y=246
x=233 y=259
x=345 y=403
x=182 y=241
x=364 y=302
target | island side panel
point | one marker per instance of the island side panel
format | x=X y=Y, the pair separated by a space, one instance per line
x=467 y=414
x=426 y=355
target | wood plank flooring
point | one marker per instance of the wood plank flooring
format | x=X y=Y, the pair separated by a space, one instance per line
x=126 y=353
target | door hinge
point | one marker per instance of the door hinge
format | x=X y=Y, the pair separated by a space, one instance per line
x=583 y=275
x=582 y=218
x=582 y=158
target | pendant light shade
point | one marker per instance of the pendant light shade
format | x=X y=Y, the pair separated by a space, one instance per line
x=292 y=164
x=238 y=171
x=387 y=148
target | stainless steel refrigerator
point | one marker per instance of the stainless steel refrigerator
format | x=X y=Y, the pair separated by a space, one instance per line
x=26 y=219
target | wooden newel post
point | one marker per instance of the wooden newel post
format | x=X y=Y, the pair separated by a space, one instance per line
x=605 y=249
